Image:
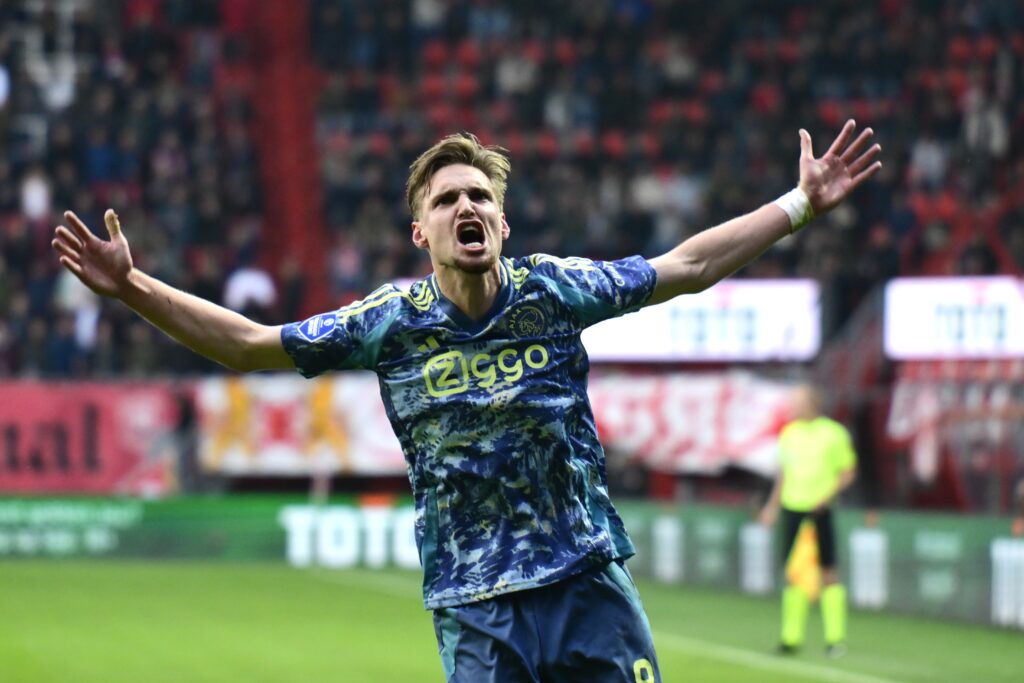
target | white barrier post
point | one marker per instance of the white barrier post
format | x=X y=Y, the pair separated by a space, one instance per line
x=869 y=568
x=756 y=575
x=1008 y=582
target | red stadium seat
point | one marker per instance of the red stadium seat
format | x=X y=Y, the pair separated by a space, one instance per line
x=986 y=47
x=547 y=144
x=467 y=86
x=534 y=51
x=468 y=118
x=583 y=143
x=829 y=113
x=657 y=51
x=789 y=50
x=613 y=144
x=564 y=51
x=435 y=55
x=501 y=112
x=432 y=87
x=695 y=113
x=441 y=116
x=928 y=78
x=956 y=82
x=468 y=55
x=380 y=144
x=863 y=109
x=661 y=112
x=515 y=142
x=711 y=81
x=387 y=87
x=486 y=136
x=766 y=98
x=960 y=50
x=649 y=144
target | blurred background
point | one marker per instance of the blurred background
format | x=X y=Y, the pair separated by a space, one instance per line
x=257 y=150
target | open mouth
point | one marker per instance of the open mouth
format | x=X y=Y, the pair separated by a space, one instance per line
x=470 y=234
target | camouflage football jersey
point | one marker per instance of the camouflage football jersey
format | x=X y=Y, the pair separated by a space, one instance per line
x=507 y=472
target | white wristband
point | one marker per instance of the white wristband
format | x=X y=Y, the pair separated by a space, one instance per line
x=798 y=207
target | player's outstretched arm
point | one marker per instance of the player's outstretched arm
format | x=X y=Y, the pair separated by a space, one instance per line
x=222 y=335
x=825 y=182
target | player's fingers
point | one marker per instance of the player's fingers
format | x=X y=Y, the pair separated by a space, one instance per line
x=866 y=173
x=64 y=234
x=854 y=149
x=806 y=152
x=71 y=265
x=78 y=226
x=864 y=159
x=842 y=138
x=65 y=249
x=113 y=225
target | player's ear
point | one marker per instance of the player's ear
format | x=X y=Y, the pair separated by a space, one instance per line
x=418 y=238
x=505 y=230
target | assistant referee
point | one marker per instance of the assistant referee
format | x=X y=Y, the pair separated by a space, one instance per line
x=816 y=463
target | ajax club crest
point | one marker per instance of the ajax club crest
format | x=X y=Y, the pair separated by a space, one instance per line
x=527 y=321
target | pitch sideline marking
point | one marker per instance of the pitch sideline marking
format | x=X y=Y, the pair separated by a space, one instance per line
x=389 y=585
x=757 y=660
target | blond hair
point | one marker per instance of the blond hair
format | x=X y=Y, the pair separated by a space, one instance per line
x=461 y=148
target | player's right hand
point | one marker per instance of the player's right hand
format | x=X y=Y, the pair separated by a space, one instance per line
x=767 y=517
x=102 y=265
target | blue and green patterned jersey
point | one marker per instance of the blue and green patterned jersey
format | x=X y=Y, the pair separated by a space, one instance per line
x=492 y=415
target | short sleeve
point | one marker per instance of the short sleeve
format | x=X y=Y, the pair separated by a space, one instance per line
x=784 y=446
x=598 y=290
x=346 y=339
x=843 y=455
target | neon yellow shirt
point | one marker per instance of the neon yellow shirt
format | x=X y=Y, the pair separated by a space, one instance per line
x=812 y=454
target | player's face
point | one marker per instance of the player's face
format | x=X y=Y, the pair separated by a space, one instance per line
x=460 y=222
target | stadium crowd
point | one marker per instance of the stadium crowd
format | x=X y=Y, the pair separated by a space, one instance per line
x=632 y=124
x=92 y=117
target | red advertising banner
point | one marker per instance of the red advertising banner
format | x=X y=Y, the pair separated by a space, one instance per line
x=285 y=425
x=87 y=438
x=692 y=423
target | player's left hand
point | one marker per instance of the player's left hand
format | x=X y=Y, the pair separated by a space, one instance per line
x=830 y=179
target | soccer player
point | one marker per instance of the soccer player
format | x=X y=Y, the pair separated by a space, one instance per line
x=816 y=463
x=483 y=376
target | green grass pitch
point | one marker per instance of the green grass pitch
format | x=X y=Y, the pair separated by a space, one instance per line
x=114 y=622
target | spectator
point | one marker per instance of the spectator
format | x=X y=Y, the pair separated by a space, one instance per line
x=689 y=100
x=134 y=128
x=62 y=356
x=250 y=290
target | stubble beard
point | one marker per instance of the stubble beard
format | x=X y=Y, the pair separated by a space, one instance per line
x=476 y=266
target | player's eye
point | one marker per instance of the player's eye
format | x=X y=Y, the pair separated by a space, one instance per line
x=480 y=195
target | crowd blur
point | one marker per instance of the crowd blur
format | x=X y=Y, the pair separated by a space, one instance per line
x=110 y=104
x=636 y=123
x=632 y=124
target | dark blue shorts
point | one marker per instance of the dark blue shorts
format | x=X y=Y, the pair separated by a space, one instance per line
x=589 y=628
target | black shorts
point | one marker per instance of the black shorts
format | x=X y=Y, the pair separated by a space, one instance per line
x=791 y=520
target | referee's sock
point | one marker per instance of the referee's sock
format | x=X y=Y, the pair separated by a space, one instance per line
x=833 y=613
x=795 y=605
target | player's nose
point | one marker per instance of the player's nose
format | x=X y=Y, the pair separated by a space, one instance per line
x=463 y=206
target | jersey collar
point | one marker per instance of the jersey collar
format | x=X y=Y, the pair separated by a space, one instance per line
x=464 y=321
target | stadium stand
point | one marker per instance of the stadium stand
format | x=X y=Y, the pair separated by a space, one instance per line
x=223 y=132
